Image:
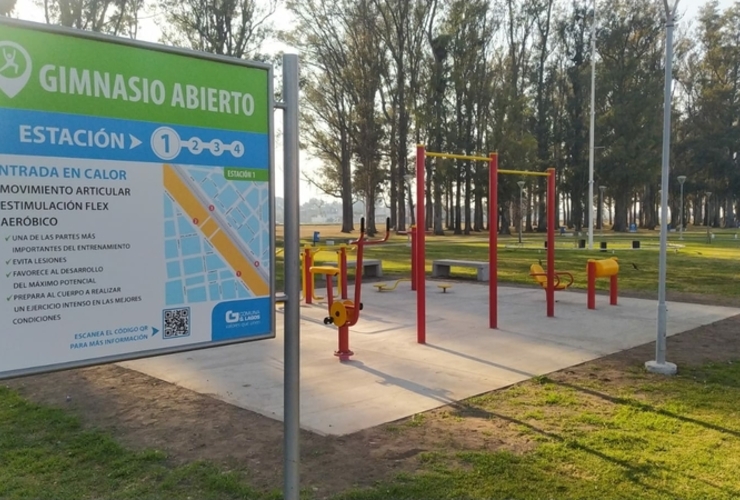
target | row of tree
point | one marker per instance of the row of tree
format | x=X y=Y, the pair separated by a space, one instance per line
x=513 y=76
x=473 y=76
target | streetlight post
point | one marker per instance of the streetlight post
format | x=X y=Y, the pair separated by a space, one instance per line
x=521 y=211
x=681 y=180
x=591 y=133
x=660 y=365
x=709 y=215
x=601 y=208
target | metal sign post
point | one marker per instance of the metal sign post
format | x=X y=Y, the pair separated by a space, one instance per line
x=291 y=417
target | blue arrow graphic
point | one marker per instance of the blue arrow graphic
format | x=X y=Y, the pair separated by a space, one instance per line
x=154 y=332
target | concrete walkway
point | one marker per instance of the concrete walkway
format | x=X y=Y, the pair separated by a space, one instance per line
x=391 y=376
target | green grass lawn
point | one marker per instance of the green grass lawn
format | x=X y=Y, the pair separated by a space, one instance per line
x=654 y=438
x=648 y=437
x=45 y=454
x=694 y=266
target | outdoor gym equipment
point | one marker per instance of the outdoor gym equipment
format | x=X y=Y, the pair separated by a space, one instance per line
x=540 y=276
x=492 y=159
x=344 y=313
x=606 y=268
x=308 y=256
x=384 y=287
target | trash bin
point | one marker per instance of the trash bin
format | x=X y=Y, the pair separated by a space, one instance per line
x=635 y=244
x=602 y=245
x=581 y=243
x=315 y=237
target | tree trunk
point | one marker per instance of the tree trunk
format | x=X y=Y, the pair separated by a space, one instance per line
x=347 y=204
x=621 y=208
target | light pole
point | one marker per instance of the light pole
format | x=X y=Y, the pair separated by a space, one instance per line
x=601 y=208
x=659 y=364
x=681 y=180
x=591 y=133
x=709 y=214
x=521 y=211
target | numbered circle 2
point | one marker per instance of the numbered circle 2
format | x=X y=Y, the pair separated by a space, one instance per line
x=166 y=143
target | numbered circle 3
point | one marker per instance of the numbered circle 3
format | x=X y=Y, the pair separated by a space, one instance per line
x=166 y=143
x=217 y=147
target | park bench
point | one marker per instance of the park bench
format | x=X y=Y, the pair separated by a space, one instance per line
x=441 y=268
x=371 y=268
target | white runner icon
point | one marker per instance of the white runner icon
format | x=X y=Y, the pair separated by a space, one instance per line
x=10 y=61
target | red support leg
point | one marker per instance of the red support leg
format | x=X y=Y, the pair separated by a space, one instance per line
x=493 y=240
x=343 y=271
x=551 y=243
x=343 y=353
x=613 y=291
x=421 y=307
x=307 y=263
x=412 y=235
x=591 y=271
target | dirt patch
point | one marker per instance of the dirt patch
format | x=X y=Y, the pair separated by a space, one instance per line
x=143 y=412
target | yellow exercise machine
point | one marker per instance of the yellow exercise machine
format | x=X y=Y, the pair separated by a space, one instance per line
x=384 y=287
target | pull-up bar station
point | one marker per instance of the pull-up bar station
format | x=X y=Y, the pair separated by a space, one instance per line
x=493 y=173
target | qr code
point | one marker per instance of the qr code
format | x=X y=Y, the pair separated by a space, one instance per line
x=176 y=323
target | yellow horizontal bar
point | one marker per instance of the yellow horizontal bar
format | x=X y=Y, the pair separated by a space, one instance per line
x=457 y=157
x=524 y=172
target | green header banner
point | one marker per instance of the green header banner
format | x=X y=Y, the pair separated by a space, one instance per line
x=61 y=73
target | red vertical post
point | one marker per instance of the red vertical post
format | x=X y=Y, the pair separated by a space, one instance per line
x=591 y=272
x=421 y=314
x=551 y=242
x=613 y=291
x=307 y=263
x=493 y=240
x=343 y=353
x=412 y=235
x=343 y=271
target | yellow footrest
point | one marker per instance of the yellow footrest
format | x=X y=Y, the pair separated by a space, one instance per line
x=444 y=287
x=380 y=287
x=331 y=271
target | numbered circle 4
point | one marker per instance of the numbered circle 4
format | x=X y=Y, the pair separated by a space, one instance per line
x=165 y=143
x=217 y=147
x=237 y=149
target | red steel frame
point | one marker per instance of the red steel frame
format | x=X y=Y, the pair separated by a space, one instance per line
x=418 y=261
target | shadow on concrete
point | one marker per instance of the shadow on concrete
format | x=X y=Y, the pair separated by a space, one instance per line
x=440 y=395
x=483 y=361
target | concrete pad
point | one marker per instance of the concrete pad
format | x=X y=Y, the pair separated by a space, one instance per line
x=391 y=376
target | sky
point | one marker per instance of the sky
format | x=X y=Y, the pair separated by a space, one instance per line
x=148 y=31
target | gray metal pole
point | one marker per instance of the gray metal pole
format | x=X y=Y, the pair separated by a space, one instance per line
x=291 y=389
x=681 y=212
x=591 y=135
x=659 y=365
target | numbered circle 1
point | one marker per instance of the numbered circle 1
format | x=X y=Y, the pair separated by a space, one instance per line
x=166 y=143
x=237 y=149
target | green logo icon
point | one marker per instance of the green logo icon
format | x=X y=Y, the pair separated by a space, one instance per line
x=15 y=68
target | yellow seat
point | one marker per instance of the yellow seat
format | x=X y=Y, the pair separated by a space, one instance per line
x=331 y=271
x=540 y=276
x=444 y=287
x=380 y=287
